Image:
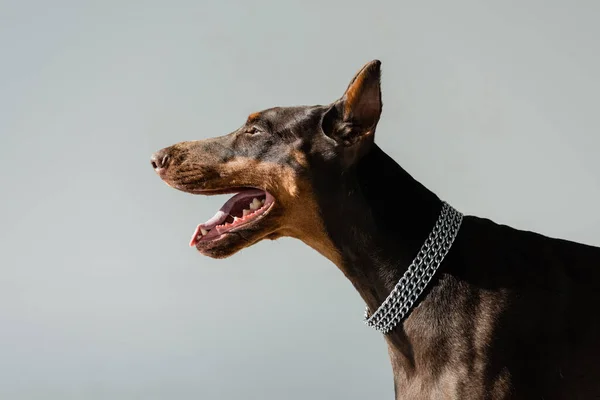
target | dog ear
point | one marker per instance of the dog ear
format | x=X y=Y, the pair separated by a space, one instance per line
x=356 y=114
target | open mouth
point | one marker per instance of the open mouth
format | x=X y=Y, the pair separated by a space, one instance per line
x=242 y=209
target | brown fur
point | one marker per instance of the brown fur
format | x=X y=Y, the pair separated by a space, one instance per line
x=509 y=315
x=295 y=214
x=253 y=117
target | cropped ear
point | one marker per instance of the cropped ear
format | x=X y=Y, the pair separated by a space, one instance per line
x=356 y=114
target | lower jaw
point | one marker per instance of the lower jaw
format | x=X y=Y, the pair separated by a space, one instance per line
x=226 y=245
x=211 y=243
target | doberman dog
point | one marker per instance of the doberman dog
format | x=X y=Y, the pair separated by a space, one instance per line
x=510 y=314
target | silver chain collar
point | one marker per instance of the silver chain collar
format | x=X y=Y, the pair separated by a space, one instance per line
x=414 y=281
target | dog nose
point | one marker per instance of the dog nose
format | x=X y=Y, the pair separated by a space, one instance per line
x=160 y=160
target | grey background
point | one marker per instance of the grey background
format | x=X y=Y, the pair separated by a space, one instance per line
x=493 y=105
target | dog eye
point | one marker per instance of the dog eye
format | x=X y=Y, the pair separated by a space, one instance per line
x=252 y=130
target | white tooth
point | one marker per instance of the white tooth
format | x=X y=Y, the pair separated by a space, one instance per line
x=235 y=219
x=255 y=205
x=245 y=212
x=262 y=202
x=203 y=231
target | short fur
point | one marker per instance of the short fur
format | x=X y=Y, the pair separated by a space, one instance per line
x=510 y=315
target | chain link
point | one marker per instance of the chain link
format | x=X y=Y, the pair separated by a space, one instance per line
x=420 y=272
x=386 y=306
x=390 y=304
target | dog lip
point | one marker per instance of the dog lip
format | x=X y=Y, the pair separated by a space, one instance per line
x=218 y=191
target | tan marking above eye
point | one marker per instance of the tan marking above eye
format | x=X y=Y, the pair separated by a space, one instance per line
x=253 y=117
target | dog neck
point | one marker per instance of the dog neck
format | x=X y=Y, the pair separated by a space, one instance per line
x=378 y=219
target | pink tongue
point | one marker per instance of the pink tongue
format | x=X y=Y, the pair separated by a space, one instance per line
x=219 y=217
x=222 y=214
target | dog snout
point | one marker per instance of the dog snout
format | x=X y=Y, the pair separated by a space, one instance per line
x=160 y=160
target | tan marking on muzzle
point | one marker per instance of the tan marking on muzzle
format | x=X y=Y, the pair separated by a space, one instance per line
x=299 y=213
